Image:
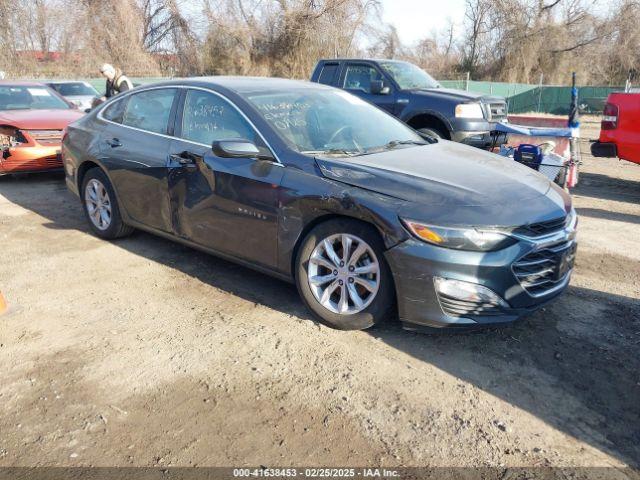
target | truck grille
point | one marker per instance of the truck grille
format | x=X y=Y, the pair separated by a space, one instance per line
x=455 y=307
x=542 y=228
x=47 y=137
x=541 y=271
x=497 y=111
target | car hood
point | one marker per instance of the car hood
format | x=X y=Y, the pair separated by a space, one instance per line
x=458 y=95
x=80 y=98
x=452 y=184
x=39 y=119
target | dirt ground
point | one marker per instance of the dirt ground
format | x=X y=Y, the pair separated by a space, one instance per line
x=142 y=352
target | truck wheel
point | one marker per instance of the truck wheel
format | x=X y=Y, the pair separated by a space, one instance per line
x=342 y=276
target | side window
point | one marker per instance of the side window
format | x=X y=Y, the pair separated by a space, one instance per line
x=150 y=110
x=115 y=111
x=208 y=117
x=359 y=77
x=328 y=73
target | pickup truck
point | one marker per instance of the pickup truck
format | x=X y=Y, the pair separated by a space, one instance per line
x=412 y=95
x=620 y=128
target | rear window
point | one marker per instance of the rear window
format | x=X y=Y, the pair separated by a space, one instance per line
x=115 y=111
x=328 y=73
x=27 y=98
x=150 y=110
x=74 y=89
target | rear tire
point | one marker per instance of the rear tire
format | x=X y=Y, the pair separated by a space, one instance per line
x=353 y=291
x=101 y=206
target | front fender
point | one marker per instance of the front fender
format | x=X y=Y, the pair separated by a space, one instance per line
x=307 y=199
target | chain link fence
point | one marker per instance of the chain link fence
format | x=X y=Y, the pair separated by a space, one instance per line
x=525 y=98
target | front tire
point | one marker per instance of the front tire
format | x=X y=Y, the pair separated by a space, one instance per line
x=342 y=275
x=101 y=206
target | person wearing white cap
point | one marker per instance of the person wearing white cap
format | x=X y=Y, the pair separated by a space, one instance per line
x=117 y=82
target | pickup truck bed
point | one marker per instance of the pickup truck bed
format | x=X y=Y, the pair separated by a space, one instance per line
x=620 y=128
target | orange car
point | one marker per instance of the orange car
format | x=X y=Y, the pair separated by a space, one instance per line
x=32 y=117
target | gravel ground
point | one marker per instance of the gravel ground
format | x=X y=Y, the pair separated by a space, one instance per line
x=142 y=352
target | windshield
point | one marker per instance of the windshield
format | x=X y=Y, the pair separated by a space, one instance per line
x=331 y=121
x=26 y=98
x=408 y=76
x=73 y=89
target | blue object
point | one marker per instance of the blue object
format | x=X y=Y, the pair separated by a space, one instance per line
x=529 y=155
x=574 y=116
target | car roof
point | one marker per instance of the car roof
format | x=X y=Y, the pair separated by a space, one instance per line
x=59 y=82
x=20 y=83
x=242 y=84
x=329 y=60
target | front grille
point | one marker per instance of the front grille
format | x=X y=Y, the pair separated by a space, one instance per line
x=541 y=271
x=542 y=228
x=497 y=112
x=47 y=137
x=19 y=165
x=462 y=308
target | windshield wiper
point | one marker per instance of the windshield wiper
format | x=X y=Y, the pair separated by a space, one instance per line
x=332 y=151
x=395 y=143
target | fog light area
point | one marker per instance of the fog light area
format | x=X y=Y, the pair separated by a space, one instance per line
x=469 y=292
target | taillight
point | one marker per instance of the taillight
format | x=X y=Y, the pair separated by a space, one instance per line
x=609 y=117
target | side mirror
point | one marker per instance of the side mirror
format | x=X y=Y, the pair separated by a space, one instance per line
x=239 y=148
x=378 y=88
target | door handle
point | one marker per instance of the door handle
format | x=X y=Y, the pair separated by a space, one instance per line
x=114 y=142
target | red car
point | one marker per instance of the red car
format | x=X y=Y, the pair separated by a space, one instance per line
x=620 y=128
x=32 y=117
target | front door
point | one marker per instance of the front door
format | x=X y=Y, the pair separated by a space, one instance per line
x=227 y=204
x=357 y=81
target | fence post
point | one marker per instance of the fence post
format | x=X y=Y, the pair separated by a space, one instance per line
x=540 y=91
x=466 y=86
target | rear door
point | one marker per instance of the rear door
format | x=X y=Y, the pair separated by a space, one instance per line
x=135 y=148
x=227 y=204
x=329 y=73
x=357 y=78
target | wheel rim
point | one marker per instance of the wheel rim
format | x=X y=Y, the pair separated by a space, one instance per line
x=344 y=274
x=98 y=204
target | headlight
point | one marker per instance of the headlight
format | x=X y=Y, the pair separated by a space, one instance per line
x=460 y=238
x=469 y=110
x=572 y=219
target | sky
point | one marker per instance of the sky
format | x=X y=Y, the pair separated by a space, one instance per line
x=416 y=19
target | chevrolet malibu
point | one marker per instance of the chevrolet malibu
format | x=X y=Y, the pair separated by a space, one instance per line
x=313 y=185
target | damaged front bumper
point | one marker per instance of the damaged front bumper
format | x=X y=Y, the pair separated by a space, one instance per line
x=416 y=266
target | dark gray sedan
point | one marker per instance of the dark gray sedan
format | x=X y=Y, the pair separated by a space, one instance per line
x=315 y=186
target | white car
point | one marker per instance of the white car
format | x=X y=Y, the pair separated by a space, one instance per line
x=81 y=94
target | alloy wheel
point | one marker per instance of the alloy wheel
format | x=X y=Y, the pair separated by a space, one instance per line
x=344 y=274
x=98 y=204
